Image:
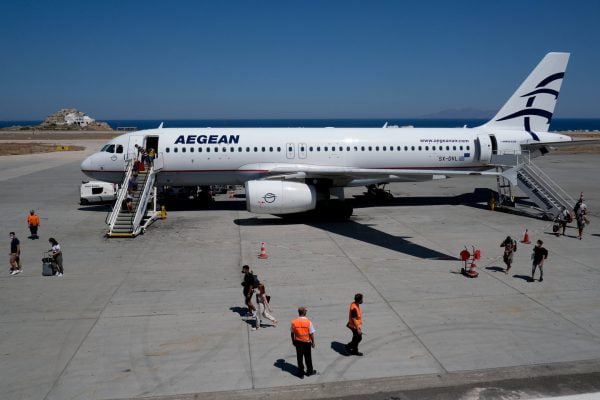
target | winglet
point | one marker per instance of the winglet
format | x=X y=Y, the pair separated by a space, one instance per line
x=161 y=125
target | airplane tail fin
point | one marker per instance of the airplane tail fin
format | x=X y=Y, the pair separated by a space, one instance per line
x=531 y=107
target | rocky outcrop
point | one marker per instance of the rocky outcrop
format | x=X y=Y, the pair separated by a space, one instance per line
x=72 y=119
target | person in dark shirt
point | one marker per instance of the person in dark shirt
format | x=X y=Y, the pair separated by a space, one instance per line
x=248 y=284
x=540 y=254
x=15 y=255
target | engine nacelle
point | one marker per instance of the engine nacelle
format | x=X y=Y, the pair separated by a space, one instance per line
x=279 y=197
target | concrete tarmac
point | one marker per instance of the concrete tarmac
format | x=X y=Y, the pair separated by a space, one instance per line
x=161 y=315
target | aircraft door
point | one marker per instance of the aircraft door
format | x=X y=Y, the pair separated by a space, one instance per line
x=483 y=148
x=302 y=150
x=131 y=152
x=289 y=150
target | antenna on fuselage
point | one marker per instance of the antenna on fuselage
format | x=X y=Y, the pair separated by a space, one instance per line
x=161 y=125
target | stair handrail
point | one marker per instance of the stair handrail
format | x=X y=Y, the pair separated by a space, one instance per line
x=562 y=195
x=142 y=205
x=122 y=193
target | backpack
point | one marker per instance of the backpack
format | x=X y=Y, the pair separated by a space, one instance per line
x=254 y=280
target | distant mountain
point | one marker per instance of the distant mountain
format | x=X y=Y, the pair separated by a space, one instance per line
x=460 y=113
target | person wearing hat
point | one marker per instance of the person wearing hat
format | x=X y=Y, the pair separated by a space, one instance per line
x=34 y=222
x=303 y=339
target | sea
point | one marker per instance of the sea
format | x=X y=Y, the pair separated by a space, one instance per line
x=559 y=124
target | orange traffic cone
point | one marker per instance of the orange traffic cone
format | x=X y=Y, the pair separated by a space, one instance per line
x=526 y=237
x=263 y=252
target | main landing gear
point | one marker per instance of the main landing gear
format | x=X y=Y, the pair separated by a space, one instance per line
x=379 y=192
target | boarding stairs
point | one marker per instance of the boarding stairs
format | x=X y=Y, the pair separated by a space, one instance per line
x=519 y=170
x=122 y=222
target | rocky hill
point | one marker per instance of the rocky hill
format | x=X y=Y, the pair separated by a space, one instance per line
x=72 y=119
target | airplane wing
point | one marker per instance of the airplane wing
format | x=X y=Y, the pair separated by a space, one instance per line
x=347 y=174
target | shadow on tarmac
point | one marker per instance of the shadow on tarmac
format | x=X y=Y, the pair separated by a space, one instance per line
x=339 y=348
x=363 y=233
x=526 y=278
x=495 y=269
x=287 y=367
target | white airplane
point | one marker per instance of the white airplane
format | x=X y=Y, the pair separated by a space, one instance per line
x=291 y=170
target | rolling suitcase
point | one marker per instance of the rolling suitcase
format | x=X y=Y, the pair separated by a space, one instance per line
x=47 y=266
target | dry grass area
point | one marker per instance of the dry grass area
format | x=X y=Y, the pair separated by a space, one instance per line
x=588 y=149
x=8 y=149
x=58 y=135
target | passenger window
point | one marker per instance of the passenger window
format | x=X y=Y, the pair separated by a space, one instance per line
x=332 y=148
x=433 y=148
x=348 y=148
x=310 y=149
x=376 y=148
x=232 y=150
x=175 y=150
x=262 y=149
x=412 y=148
x=420 y=148
x=318 y=148
x=370 y=148
x=256 y=149
x=168 y=150
x=191 y=149
x=216 y=149
x=426 y=148
x=468 y=147
x=453 y=147
x=399 y=148
x=325 y=148
x=362 y=148
x=183 y=149
x=199 y=149
x=447 y=147
x=301 y=148
x=240 y=149
x=384 y=148
x=460 y=147
x=271 y=149
x=247 y=149
x=208 y=149
x=279 y=149
x=224 y=150
x=119 y=149
x=290 y=149
x=355 y=148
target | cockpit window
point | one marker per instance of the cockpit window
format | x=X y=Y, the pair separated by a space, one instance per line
x=111 y=148
x=120 y=149
x=104 y=147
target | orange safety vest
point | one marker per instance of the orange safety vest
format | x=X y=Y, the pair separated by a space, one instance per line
x=301 y=328
x=358 y=319
x=33 y=220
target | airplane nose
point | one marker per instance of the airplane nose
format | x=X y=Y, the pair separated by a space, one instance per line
x=86 y=165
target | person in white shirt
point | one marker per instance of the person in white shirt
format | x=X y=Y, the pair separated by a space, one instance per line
x=56 y=253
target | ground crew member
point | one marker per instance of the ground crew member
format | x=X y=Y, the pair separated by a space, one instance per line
x=355 y=325
x=540 y=254
x=34 y=222
x=303 y=338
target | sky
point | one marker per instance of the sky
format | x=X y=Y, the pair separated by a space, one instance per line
x=288 y=59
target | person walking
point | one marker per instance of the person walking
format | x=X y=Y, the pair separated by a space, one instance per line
x=355 y=325
x=303 y=339
x=510 y=247
x=540 y=254
x=15 y=255
x=56 y=253
x=33 y=221
x=250 y=280
x=563 y=219
x=581 y=218
x=264 y=307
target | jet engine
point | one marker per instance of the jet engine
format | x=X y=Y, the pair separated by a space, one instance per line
x=279 y=197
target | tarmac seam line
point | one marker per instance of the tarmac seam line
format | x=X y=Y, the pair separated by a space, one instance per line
x=388 y=304
x=247 y=325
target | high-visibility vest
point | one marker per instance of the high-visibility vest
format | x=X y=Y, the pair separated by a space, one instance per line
x=354 y=323
x=301 y=328
x=33 y=220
